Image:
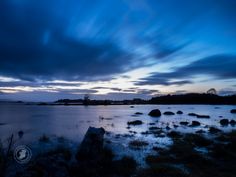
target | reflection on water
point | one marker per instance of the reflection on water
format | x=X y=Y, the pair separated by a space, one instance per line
x=72 y=121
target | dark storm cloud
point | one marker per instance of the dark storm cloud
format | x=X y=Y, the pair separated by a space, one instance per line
x=34 y=46
x=217 y=66
x=65 y=59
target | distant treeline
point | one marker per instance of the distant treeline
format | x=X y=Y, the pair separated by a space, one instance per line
x=194 y=98
x=191 y=98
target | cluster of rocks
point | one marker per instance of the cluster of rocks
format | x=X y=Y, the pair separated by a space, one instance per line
x=226 y=122
x=157 y=113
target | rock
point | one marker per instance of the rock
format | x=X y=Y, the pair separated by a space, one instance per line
x=233 y=111
x=155 y=113
x=195 y=123
x=224 y=122
x=214 y=130
x=136 y=122
x=175 y=126
x=138 y=113
x=179 y=112
x=203 y=116
x=154 y=128
x=199 y=116
x=184 y=123
x=200 y=131
x=232 y=122
x=20 y=134
x=169 y=113
x=92 y=144
x=192 y=114
x=167 y=127
x=131 y=106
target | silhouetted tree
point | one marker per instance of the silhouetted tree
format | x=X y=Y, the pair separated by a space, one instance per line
x=86 y=99
x=212 y=91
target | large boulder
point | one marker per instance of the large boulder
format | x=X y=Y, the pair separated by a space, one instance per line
x=155 y=113
x=92 y=144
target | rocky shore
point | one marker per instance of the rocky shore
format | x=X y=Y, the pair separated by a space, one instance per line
x=207 y=152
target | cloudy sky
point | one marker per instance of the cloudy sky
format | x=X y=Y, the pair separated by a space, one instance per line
x=119 y=49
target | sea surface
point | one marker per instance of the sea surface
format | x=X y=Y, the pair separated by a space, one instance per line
x=72 y=121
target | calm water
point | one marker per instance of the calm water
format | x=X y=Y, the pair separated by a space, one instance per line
x=72 y=121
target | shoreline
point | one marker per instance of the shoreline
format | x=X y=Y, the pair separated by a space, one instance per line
x=182 y=157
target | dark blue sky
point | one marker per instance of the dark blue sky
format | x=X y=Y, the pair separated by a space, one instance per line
x=117 y=49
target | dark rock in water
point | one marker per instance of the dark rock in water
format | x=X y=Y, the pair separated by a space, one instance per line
x=232 y=122
x=131 y=106
x=199 y=116
x=233 y=111
x=195 y=123
x=92 y=144
x=20 y=134
x=179 y=112
x=203 y=116
x=154 y=128
x=155 y=113
x=224 y=122
x=167 y=127
x=136 y=122
x=192 y=114
x=214 y=130
x=200 y=131
x=184 y=123
x=175 y=126
x=138 y=113
x=169 y=113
